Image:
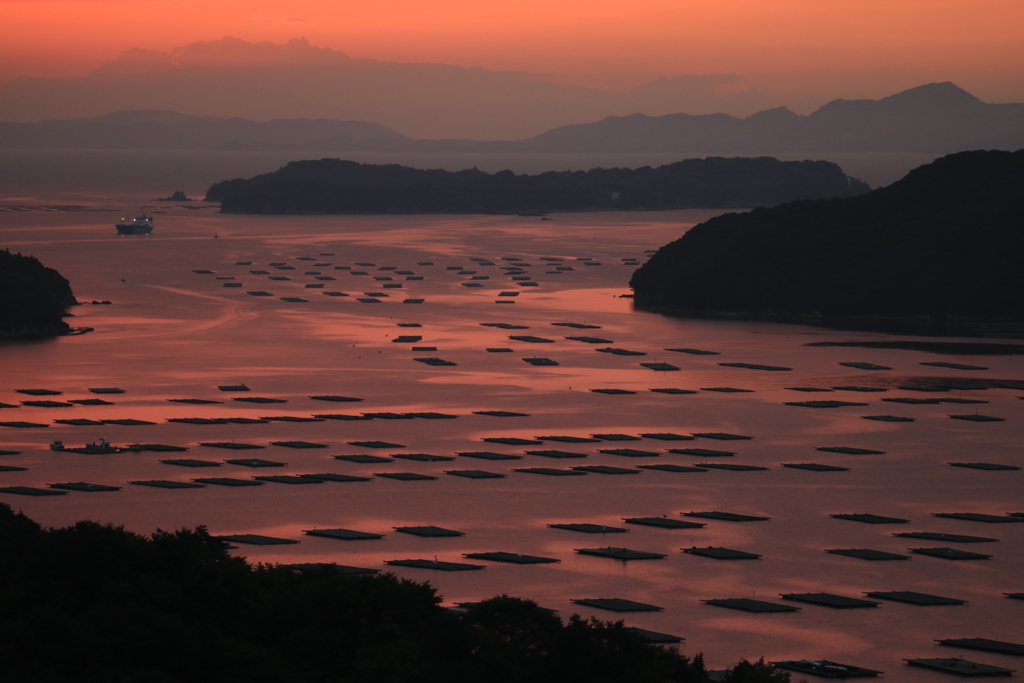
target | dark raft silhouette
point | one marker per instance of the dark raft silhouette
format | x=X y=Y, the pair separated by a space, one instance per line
x=941 y=245
x=337 y=186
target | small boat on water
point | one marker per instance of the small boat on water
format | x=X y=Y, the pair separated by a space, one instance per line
x=140 y=225
x=95 y=447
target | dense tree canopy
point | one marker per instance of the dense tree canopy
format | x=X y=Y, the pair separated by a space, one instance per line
x=94 y=602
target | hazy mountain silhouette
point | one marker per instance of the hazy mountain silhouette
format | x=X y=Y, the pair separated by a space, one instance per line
x=172 y=130
x=231 y=78
x=936 y=118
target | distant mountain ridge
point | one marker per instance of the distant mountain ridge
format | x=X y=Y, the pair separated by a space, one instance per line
x=937 y=118
x=157 y=129
x=940 y=245
x=231 y=78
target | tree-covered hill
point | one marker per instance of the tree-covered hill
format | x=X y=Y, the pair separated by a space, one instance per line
x=33 y=298
x=942 y=243
x=94 y=602
x=337 y=186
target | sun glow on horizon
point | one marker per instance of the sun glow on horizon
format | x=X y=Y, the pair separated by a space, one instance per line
x=938 y=39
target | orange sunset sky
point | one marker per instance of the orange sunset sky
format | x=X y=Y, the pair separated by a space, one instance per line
x=848 y=48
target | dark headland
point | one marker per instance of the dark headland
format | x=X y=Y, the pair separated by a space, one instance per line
x=33 y=298
x=337 y=186
x=939 y=248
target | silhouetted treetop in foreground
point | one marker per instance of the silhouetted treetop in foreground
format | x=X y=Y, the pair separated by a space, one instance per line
x=942 y=243
x=33 y=298
x=95 y=602
x=337 y=186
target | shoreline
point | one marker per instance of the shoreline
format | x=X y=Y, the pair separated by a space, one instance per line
x=998 y=328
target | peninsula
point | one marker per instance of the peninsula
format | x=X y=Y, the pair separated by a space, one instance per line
x=33 y=298
x=940 y=246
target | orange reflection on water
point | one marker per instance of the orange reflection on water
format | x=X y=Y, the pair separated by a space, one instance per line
x=172 y=333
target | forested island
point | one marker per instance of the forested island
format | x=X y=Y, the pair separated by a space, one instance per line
x=94 y=602
x=941 y=247
x=33 y=298
x=328 y=186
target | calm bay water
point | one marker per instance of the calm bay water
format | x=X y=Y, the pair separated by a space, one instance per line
x=173 y=333
x=86 y=175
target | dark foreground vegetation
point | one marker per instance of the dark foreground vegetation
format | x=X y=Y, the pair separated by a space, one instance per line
x=33 y=298
x=337 y=186
x=940 y=246
x=95 y=602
